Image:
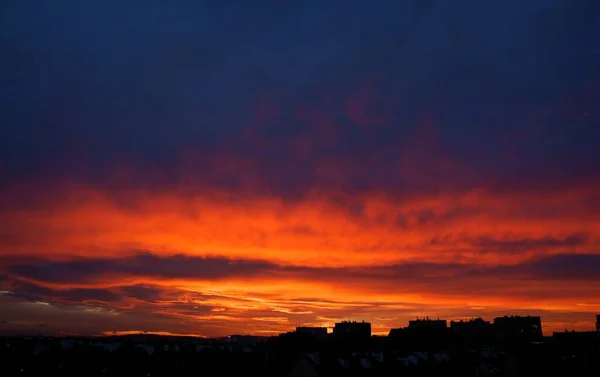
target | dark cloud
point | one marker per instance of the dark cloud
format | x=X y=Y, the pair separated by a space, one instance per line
x=402 y=277
x=143 y=292
x=181 y=267
x=487 y=244
x=143 y=265
x=579 y=267
x=565 y=267
x=32 y=292
x=513 y=244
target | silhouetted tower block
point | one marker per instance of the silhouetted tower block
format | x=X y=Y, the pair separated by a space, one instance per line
x=428 y=324
x=421 y=334
x=352 y=335
x=319 y=333
x=475 y=333
x=516 y=330
x=359 y=329
x=598 y=323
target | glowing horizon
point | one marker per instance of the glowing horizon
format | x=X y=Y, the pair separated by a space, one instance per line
x=205 y=256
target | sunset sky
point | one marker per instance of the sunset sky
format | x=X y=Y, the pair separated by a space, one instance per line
x=247 y=167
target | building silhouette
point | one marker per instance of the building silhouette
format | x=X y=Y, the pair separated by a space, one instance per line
x=319 y=333
x=428 y=349
x=352 y=335
x=423 y=334
x=428 y=324
x=473 y=334
x=353 y=328
x=512 y=331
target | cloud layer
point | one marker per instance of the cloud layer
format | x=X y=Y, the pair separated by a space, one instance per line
x=215 y=295
x=160 y=171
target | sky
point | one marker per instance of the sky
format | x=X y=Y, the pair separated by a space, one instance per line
x=230 y=167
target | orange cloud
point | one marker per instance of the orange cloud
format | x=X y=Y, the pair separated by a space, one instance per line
x=474 y=227
x=262 y=265
x=267 y=250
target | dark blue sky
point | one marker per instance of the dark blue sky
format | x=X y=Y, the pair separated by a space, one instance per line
x=87 y=86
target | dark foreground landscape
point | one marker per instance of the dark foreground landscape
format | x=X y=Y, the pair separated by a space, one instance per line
x=424 y=348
